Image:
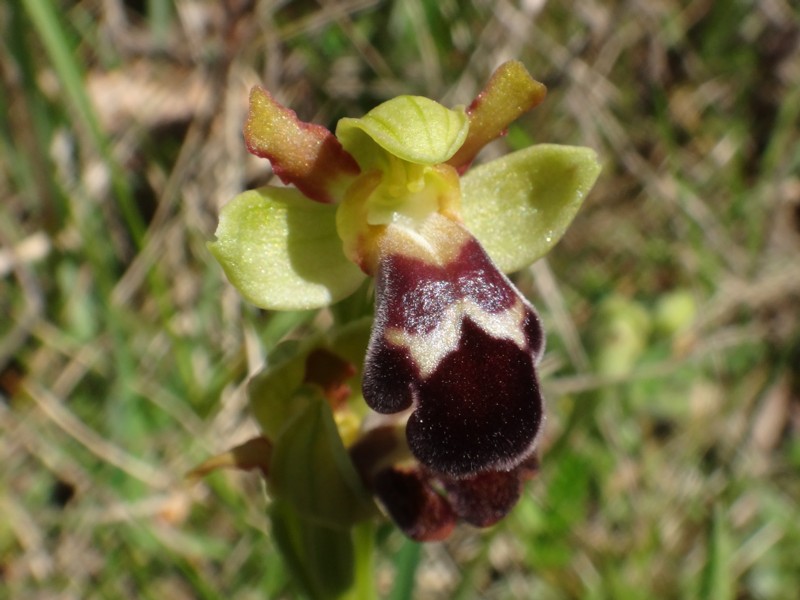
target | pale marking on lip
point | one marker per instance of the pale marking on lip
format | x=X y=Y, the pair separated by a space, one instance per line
x=427 y=350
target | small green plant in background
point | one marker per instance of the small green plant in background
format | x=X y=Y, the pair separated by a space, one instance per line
x=436 y=411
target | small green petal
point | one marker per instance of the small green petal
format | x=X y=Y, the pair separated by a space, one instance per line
x=282 y=252
x=510 y=93
x=520 y=205
x=412 y=128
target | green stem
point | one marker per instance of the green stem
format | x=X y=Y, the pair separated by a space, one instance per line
x=364 y=580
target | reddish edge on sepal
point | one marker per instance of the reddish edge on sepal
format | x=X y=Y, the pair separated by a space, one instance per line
x=303 y=154
x=458 y=343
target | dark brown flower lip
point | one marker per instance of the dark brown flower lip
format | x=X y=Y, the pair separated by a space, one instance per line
x=458 y=343
x=420 y=511
x=428 y=505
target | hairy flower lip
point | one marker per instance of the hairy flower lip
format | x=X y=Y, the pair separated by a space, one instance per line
x=453 y=339
x=484 y=498
x=426 y=504
x=414 y=504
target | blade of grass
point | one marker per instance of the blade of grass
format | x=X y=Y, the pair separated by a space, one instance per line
x=716 y=579
x=406 y=562
x=159 y=13
x=54 y=37
x=26 y=138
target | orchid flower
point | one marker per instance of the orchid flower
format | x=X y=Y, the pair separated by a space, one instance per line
x=454 y=346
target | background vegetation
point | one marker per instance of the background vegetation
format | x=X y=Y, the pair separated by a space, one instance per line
x=670 y=464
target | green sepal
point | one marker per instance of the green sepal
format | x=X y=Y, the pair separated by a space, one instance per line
x=412 y=128
x=320 y=559
x=520 y=205
x=311 y=469
x=282 y=252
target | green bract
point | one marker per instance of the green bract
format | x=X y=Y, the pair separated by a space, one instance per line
x=274 y=400
x=320 y=558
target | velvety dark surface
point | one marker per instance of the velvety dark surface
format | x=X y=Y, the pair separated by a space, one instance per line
x=418 y=510
x=480 y=407
x=415 y=294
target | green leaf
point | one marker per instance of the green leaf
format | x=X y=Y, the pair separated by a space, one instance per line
x=311 y=470
x=520 y=205
x=320 y=558
x=282 y=252
x=412 y=128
